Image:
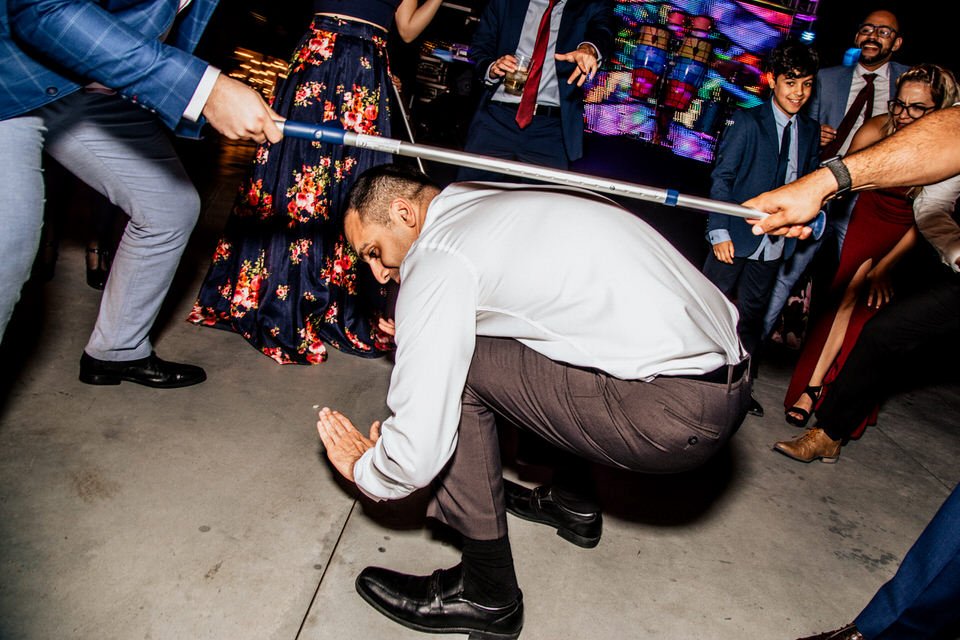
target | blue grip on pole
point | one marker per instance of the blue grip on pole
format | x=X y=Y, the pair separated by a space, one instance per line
x=818 y=225
x=671 y=198
x=312 y=132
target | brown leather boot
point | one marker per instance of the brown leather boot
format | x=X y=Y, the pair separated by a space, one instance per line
x=848 y=632
x=812 y=445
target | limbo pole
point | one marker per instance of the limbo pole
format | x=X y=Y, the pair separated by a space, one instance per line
x=667 y=197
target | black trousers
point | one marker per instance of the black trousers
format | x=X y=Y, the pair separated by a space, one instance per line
x=927 y=322
x=749 y=283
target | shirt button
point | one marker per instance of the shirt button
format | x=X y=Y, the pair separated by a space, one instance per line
x=692 y=440
x=52 y=91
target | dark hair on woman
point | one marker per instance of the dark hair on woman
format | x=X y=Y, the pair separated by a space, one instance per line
x=793 y=59
x=373 y=190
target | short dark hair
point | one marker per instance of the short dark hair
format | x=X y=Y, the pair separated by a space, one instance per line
x=374 y=188
x=793 y=59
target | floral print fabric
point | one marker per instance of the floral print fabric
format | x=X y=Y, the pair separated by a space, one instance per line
x=282 y=274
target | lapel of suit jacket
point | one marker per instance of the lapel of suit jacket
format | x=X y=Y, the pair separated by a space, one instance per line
x=805 y=138
x=768 y=129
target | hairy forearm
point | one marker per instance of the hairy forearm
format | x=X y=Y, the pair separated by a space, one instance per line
x=925 y=152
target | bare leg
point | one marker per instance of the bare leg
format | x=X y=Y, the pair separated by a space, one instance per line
x=834 y=341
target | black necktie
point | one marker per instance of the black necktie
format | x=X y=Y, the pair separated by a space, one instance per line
x=784 y=158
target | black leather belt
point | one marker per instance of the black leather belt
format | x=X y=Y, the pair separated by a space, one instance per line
x=719 y=375
x=545 y=110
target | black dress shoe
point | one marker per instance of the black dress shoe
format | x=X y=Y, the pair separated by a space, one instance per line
x=150 y=371
x=435 y=604
x=98 y=267
x=755 y=409
x=539 y=505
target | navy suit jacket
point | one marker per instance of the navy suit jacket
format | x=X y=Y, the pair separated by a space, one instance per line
x=746 y=166
x=583 y=21
x=51 y=48
x=829 y=101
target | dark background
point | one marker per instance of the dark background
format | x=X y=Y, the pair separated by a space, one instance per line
x=929 y=29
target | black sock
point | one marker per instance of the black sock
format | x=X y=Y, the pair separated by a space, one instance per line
x=573 y=486
x=488 y=575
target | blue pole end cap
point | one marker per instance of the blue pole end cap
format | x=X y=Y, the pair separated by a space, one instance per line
x=818 y=225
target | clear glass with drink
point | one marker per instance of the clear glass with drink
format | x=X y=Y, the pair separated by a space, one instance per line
x=514 y=81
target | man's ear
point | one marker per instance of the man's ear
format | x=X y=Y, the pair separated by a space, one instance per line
x=401 y=209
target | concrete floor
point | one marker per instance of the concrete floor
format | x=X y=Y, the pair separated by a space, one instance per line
x=210 y=512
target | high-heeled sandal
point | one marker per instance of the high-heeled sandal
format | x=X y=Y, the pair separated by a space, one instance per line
x=814 y=393
x=97 y=273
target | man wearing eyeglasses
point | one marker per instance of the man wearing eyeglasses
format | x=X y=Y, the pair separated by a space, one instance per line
x=843 y=98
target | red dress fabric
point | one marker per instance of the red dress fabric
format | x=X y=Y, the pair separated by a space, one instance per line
x=878 y=221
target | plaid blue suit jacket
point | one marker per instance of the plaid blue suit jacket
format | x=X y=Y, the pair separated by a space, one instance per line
x=51 y=48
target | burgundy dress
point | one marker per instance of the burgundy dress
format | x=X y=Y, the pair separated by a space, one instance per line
x=879 y=219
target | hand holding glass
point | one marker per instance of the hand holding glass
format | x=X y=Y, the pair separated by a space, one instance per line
x=514 y=81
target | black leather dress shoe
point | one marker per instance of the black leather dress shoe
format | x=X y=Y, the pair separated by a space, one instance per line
x=150 y=371
x=539 y=505
x=435 y=604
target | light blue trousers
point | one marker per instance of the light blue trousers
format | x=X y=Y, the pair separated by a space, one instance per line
x=122 y=151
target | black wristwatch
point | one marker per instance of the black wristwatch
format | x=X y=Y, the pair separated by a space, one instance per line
x=839 y=171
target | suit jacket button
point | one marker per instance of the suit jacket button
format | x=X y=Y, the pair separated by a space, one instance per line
x=52 y=91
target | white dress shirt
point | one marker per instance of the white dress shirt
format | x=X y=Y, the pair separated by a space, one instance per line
x=567 y=273
x=933 y=210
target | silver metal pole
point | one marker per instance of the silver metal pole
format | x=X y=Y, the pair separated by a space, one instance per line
x=667 y=197
x=406 y=121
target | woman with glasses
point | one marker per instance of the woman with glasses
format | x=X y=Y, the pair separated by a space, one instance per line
x=881 y=232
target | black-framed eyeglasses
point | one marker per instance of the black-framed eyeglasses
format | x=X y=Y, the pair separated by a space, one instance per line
x=867 y=29
x=915 y=111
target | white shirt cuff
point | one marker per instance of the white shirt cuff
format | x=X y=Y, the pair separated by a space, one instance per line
x=201 y=94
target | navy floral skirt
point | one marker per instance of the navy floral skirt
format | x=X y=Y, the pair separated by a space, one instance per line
x=282 y=275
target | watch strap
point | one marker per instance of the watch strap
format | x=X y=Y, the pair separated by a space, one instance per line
x=840 y=173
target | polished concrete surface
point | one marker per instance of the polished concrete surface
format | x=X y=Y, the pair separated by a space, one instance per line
x=210 y=512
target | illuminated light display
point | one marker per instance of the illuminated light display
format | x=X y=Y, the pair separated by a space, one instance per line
x=681 y=67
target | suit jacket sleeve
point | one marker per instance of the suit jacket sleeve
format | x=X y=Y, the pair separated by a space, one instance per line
x=599 y=30
x=94 y=44
x=484 y=48
x=728 y=166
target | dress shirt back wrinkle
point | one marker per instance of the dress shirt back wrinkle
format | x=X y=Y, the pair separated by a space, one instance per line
x=565 y=272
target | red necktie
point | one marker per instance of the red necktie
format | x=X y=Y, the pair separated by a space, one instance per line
x=528 y=101
x=865 y=97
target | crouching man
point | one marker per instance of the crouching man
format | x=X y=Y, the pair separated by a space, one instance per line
x=556 y=310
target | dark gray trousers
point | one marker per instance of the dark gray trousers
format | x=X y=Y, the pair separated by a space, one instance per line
x=668 y=425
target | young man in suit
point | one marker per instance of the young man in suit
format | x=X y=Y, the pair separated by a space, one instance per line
x=93 y=84
x=577 y=34
x=765 y=147
x=836 y=95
